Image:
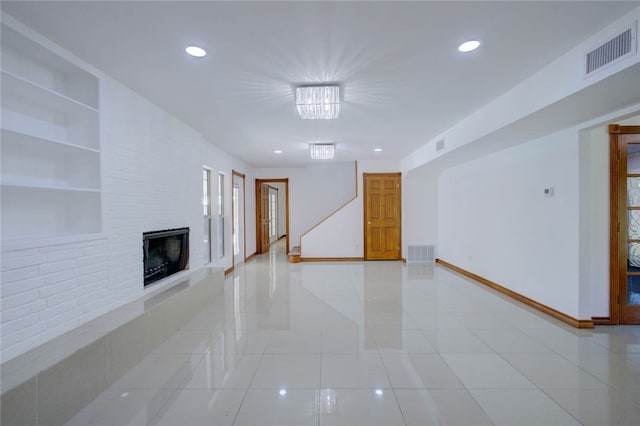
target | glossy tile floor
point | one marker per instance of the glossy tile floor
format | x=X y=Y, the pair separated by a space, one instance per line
x=375 y=343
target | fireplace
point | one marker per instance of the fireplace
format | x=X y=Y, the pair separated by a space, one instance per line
x=165 y=253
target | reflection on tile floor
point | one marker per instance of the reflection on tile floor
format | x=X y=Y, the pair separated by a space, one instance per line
x=376 y=343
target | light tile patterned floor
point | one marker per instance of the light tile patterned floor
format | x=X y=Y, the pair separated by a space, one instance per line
x=375 y=343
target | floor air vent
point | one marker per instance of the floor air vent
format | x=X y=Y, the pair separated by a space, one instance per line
x=421 y=254
x=612 y=50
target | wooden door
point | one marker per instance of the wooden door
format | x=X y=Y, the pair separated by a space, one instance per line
x=264 y=216
x=625 y=241
x=273 y=214
x=262 y=213
x=382 y=216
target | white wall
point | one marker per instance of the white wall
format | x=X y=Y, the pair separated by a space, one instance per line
x=341 y=235
x=151 y=180
x=420 y=208
x=422 y=187
x=494 y=219
x=479 y=155
x=314 y=192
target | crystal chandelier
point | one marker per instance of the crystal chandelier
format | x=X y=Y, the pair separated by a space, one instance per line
x=318 y=102
x=322 y=151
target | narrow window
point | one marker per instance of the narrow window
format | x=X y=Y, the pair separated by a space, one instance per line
x=220 y=215
x=273 y=215
x=206 y=212
x=236 y=218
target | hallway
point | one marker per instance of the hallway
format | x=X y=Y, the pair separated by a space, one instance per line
x=373 y=343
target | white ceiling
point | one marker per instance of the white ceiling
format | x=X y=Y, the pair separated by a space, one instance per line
x=403 y=80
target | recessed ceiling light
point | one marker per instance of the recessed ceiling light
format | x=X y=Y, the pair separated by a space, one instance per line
x=468 y=46
x=277 y=151
x=377 y=149
x=196 y=51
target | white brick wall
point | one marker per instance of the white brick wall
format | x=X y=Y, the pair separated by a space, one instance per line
x=152 y=180
x=41 y=290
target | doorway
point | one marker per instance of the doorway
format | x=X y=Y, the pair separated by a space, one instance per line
x=625 y=224
x=382 y=224
x=266 y=222
x=274 y=217
x=238 y=221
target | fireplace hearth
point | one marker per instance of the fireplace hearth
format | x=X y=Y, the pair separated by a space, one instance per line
x=165 y=253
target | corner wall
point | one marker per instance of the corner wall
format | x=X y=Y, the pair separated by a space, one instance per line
x=420 y=208
x=495 y=221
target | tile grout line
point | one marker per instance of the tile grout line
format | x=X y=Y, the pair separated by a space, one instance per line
x=536 y=385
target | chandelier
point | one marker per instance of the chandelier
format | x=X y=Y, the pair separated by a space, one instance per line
x=318 y=102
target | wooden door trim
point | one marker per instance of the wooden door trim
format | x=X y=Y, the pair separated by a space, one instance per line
x=574 y=322
x=244 y=219
x=364 y=210
x=269 y=189
x=615 y=198
x=613 y=225
x=259 y=214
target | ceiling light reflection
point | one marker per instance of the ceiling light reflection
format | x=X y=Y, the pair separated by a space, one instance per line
x=326 y=401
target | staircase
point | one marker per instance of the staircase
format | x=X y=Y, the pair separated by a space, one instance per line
x=294 y=255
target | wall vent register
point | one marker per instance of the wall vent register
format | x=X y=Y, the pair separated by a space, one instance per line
x=620 y=46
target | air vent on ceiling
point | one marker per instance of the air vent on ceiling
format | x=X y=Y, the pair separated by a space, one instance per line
x=614 y=49
x=440 y=145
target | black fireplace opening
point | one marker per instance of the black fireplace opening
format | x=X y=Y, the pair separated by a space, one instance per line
x=165 y=253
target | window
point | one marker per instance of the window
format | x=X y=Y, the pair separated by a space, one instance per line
x=206 y=212
x=273 y=215
x=220 y=215
x=236 y=218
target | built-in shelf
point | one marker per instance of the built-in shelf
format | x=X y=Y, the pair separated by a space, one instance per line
x=23 y=57
x=46 y=212
x=30 y=110
x=31 y=161
x=20 y=86
x=22 y=243
x=8 y=183
x=50 y=152
x=30 y=140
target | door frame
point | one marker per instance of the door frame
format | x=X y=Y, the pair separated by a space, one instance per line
x=244 y=219
x=273 y=188
x=617 y=194
x=259 y=183
x=365 y=195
